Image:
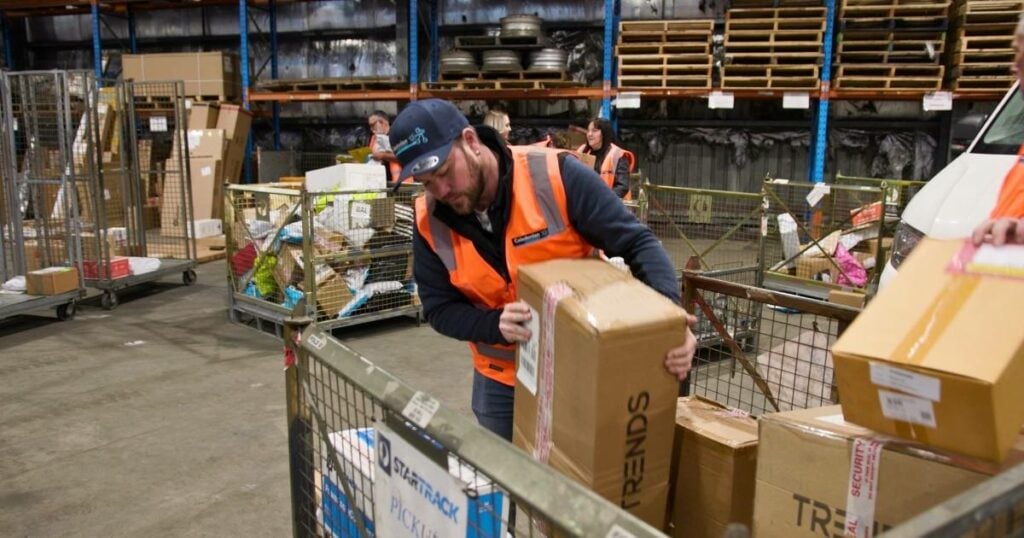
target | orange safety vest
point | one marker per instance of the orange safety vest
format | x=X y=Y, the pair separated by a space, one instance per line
x=1010 y=203
x=611 y=160
x=545 y=143
x=538 y=229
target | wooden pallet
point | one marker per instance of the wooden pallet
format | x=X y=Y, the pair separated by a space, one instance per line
x=892 y=8
x=773 y=58
x=209 y=249
x=889 y=77
x=773 y=3
x=692 y=47
x=665 y=70
x=772 y=47
x=502 y=84
x=1004 y=56
x=676 y=25
x=980 y=43
x=916 y=24
x=982 y=70
x=504 y=75
x=484 y=42
x=639 y=82
x=774 y=25
x=790 y=77
x=994 y=84
x=665 y=36
x=885 y=51
x=333 y=84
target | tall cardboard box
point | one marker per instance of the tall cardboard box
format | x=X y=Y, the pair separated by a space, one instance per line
x=210 y=143
x=210 y=74
x=716 y=465
x=612 y=403
x=938 y=357
x=803 y=475
x=236 y=122
x=207 y=188
x=203 y=115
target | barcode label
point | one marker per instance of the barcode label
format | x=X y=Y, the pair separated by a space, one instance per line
x=907 y=408
x=421 y=409
x=158 y=124
x=912 y=383
x=529 y=351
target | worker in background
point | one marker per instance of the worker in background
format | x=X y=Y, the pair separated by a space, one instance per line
x=498 y=120
x=612 y=162
x=478 y=222
x=380 y=126
x=1006 y=221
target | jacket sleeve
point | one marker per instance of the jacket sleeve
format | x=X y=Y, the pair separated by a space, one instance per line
x=444 y=306
x=604 y=222
x=621 y=184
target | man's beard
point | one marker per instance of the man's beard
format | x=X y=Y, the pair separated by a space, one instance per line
x=466 y=202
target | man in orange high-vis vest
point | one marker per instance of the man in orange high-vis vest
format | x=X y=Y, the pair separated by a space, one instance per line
x=380 y=125
x=490 y=208
x=1005 y=223
x=613 y=163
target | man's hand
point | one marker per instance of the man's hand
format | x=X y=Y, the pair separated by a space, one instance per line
x=678 y=361
x=999 y=231
x=512 y=322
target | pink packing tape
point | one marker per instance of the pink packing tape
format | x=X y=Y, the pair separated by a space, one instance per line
x=552 y=295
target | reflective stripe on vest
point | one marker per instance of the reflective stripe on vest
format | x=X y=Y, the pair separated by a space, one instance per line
x=538 y=229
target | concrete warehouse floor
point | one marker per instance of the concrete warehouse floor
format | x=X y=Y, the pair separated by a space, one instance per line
x=161 y=418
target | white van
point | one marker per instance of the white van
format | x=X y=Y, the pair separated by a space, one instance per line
x=963 y=194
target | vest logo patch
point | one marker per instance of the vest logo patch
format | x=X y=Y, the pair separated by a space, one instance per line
x=530 y=238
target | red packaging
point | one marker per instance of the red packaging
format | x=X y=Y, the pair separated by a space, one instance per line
x=117 y=267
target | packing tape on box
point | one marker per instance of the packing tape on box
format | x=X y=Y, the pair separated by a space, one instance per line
x=552 y=295
x=862 y=491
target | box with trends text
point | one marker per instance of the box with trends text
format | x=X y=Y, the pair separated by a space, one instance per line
x=612 y=403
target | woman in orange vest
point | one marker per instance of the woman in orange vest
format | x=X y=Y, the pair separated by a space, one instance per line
x=613 y=163
x=1006 y=222
x=381 y=126
x=489 y=208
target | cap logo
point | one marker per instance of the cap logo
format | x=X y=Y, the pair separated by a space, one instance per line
x=423 y=164
x=418 y=136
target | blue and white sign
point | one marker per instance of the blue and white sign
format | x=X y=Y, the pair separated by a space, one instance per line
x=415 y=496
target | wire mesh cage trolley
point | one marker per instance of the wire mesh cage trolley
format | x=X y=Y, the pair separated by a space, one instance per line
x=137 y=222
x=39 y=207
x=360 y=437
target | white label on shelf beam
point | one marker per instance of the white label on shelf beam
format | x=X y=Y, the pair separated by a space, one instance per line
x=937 y=101
x=324 y=96
x=801 y=100
x=719 y=99
x=158 y=124
x=628 y=100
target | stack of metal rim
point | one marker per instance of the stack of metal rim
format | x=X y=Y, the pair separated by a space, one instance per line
x=549 y=60
x=501 y=61
x=457 y=61
x=520 y=25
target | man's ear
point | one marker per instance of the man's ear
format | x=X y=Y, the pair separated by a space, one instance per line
x=471 y=139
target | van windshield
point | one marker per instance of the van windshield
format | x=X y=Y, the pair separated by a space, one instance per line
x=1005 y=134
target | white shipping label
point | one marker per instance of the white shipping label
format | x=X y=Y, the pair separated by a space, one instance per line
x=907 y=408
x=205 y=171
x=102 y=108
x=798 y=100
x=421 y=409
x=15 y=124
x=360 y=210
x=106 y=194
x=628 y=100
x=912 y=383
x=529 y=351
x=720 y=100
x=937 y=101
x=764 y=225
x=817 y=193
x=158 y=124
x=188 y=104
x=865 y=457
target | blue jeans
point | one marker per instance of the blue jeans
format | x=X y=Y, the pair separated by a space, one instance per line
x=492 y=405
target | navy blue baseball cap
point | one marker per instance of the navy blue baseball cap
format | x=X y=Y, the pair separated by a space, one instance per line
x=423 y=134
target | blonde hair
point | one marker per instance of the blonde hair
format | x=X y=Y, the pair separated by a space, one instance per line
x=495 y=120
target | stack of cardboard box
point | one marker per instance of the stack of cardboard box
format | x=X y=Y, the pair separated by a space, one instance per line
x=212 y=75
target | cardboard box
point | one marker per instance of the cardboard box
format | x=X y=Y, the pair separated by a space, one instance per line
x=210 y=143
x=207 y=188
x=938 y=357
x=810 y=266
x=613 y=404
x=347 y=178
x=209 y=74
x=716 y=462
x=585 y=158
x=803 y=475
x=51 y=281
x=118 y=267
x=236 y=122
x=853 y=299
x=203 y=115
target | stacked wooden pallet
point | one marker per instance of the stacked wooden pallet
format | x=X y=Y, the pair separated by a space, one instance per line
x=665 y=54
x=773 y=48
x=502 y=80
x=891 y=44
x=982 y=44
